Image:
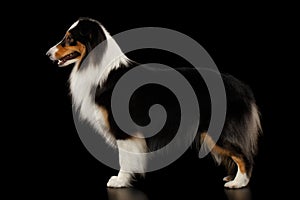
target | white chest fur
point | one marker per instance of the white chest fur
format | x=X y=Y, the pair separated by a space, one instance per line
x=82 y=83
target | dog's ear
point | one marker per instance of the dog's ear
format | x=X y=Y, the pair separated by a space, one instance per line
x=85 y=30
x=89 y=30
x=93 y=33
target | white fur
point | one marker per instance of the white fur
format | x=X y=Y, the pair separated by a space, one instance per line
x=51 y=52
x=240 y=180
x=73 y=25
x=132 y=157
x=114 y=56
x=256 y=117
x=255 y=125
x=82 y=82
x=122 y=180
x=132 y=160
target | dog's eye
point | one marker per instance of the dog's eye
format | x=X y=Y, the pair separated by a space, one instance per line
x=69 y=39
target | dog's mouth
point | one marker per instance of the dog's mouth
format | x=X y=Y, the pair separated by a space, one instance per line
x=70 y=56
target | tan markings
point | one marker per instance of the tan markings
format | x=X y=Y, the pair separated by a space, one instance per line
x=81 y=49
x=65 y=50
x=240 y=163
x=105 y=116
x=219 y=150
x=205 y=138
x=61 y=52
x=68 y=38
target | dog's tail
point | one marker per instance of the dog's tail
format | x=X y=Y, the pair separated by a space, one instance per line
x=254 y=128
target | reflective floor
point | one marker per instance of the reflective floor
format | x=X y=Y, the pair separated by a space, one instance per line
x=83 y=177
x=246 y=193
x=191 y=187
x=135 y=194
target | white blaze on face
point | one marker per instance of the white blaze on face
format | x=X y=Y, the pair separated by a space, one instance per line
x=51 y=52
x=73 y=25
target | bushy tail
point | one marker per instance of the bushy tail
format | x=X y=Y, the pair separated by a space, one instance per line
x=254 y=128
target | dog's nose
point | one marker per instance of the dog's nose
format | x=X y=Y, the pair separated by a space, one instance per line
x=48 y=53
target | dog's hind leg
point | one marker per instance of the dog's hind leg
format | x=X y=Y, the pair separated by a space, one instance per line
x=242 y=176
x=227 y=157
x=132 y=160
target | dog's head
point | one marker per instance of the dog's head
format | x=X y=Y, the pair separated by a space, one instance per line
x=79 y=40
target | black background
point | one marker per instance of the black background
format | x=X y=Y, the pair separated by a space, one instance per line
x=249 y=41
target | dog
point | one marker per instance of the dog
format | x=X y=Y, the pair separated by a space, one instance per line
x=235 y=149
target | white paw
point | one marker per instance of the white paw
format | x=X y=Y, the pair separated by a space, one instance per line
x=117 y=182
x=236 y=183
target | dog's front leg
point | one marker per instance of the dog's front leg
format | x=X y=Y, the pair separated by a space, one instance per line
x=132 y=159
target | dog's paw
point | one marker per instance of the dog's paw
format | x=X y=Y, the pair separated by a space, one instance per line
x=237 y=183
x=228 y=178
x=240 y=180
x=117 y=182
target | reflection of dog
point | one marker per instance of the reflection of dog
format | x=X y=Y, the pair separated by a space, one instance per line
x=235 y=148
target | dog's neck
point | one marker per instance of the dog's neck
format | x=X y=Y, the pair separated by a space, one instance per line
x=94 y=70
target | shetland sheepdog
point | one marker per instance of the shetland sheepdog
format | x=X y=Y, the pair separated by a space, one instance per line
x=235 y=148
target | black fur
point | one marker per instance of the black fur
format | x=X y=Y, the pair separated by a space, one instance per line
x=242 y=126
